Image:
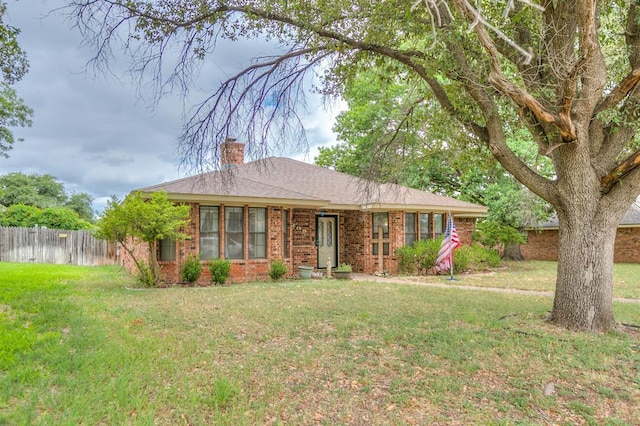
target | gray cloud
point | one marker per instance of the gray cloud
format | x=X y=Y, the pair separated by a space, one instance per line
x=95 y=133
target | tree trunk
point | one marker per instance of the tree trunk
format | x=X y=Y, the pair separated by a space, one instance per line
x=584 y=286
x=153 y=262
x=512 y=251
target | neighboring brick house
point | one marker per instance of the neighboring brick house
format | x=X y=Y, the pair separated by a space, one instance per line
x=280 y=208
x=542 y=242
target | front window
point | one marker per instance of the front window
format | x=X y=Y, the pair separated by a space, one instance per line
x=234 y=232
x=257 y=233
x=285 y=233
x=209 y=232
x=409 y=228
x=425 y=226
x=380 y=220
x=438 y=224
x=167 y=248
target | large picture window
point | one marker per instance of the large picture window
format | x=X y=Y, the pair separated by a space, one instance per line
x=234 y=232
x=209 y=232
x=257 y=233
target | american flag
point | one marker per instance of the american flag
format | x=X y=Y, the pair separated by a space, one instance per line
x=450 y=242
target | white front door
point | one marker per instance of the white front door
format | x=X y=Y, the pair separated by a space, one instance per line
x=327 y=242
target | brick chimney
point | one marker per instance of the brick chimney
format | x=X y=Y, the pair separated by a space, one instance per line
x=231 y=153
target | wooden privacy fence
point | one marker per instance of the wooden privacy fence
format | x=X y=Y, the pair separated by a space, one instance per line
x=42 y=245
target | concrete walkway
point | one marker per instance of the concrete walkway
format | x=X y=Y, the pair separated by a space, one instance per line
x=413 y=281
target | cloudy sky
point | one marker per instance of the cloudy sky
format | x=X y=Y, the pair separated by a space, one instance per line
x=94 y=133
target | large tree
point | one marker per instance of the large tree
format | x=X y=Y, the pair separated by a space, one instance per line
x=43 y=191
x=567 y=70
x=13 y=66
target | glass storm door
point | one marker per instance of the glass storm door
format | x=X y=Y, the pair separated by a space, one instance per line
x=326 y=240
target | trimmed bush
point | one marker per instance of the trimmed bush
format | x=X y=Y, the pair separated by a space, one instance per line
x=470 y=258
x=191 y=269
x=220 y=270
x=277 y=270
x=418 y=258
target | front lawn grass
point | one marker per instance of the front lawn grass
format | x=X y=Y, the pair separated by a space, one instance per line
x=80 y=346
x=541 y=276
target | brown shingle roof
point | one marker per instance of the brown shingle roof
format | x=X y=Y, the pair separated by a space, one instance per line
x=294 y=182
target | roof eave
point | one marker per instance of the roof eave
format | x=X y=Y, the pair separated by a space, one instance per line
x=459 y=211
x=235 y=199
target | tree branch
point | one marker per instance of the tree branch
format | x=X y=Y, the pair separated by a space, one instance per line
x=622 y=90
x=264 y=94
x=617 y=133
x=561 y=121
x=622 y=170
x=495 y=137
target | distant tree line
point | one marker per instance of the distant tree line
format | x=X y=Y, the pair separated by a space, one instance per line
x=41 y=200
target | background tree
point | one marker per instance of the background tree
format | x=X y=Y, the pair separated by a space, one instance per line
x=136 y=219
x=43 y=191
x=21 y=215
x=13 y=66
x=566 y=72
x=62 y=218
x=81 y=203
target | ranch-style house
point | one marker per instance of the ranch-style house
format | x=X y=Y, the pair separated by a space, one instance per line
x=279 y=208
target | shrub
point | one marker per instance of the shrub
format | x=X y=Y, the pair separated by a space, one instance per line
x=145 y=275
x=461 y=259
x=407 y=260
x=421 y=257
x=191 y=270
x=220 y=270
x=20 y=215
x=418 y=258
x=277 y=270
x=475 y=258
x=493 y=234
x=62 y=218
x=344 y=267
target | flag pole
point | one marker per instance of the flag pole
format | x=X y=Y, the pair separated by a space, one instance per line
x=450 y=220
x=449 y=243
x=451 y=268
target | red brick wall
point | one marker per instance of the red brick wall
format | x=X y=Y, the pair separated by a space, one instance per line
x=465 y=227
x=353 y=248
x=543 y=245
x=303 y=249
x=627 y=245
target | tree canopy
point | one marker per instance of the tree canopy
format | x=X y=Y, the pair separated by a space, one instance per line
x=148 y=220
x=13 y=66
x=562 y=73
x=43 y=191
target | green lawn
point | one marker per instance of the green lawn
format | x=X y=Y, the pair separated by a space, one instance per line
x=541 y=276
x=79 y=346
